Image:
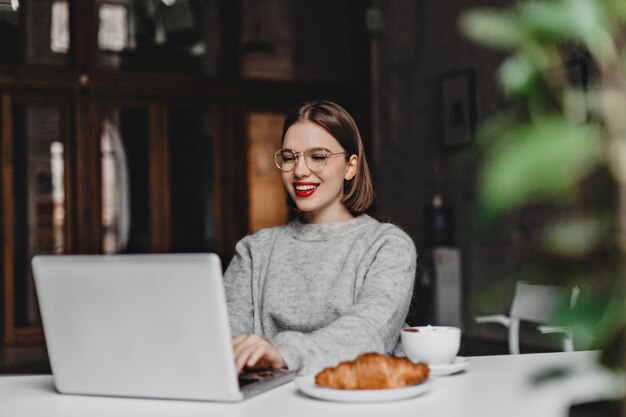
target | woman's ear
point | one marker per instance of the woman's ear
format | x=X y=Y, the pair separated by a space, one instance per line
x=351 y=168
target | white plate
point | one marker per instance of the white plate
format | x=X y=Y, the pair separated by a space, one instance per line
x=307 y=385
x=460 y=363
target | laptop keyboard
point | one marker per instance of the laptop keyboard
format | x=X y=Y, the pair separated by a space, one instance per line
x=256 y=376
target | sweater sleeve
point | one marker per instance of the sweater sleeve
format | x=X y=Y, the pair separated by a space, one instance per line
x=238 y=288
x=371 y=324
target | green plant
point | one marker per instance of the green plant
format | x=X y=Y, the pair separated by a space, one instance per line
x=563 y=143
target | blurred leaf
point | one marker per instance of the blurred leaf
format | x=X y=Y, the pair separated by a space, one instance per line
x=497 y=29
x=548 y=375
x=582 y=21
x=517 y=74
x=546 y=19
x=489 y=130
x=583 y=320
x=562 y=19
x=617 y=158
x=613 y=102
x=616 y=9
x=600 y=45
x=571 y=133
x=546 y=159
x=545 y=24
x=573 y=239
x=575 y=107
x=612 y=320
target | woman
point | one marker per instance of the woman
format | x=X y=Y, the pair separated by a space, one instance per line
x=334 y=282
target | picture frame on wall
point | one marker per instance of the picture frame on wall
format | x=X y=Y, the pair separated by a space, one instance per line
x=458 y=108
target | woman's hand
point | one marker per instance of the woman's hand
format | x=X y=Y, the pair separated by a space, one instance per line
x=253 y=351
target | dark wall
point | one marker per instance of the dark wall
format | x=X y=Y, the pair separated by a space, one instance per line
x=418 y=45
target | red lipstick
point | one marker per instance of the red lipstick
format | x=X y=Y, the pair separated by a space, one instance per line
x=305 y=189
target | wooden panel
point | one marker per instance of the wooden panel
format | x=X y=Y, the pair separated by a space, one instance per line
x=265 y=187
x=160 y=238
x=13 y=332
x=232 y=98
x=83 y=36
x=268 y=40
x=69 y=156
x=29 y=335
x=88 y=230
x=218 y=181
x=8 y=220
x=230 y=24
x=231 y=145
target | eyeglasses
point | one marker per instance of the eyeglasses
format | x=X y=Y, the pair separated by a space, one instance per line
x=314 y=158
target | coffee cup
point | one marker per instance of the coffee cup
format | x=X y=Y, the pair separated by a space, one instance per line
x=434 y=345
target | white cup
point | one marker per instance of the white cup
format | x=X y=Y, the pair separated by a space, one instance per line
x=434 y=345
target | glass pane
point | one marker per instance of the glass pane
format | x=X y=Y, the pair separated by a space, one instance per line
x=10 y=17
x=297 y=40
x=125 y=180
x=266 y=195
x=46 y=31
x=158 y=35
x=113 y=32
x=60 y=27
x=191 y=180
x=39 y=194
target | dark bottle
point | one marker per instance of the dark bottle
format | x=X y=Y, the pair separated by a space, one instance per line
x=438 y=232
x=438 y=226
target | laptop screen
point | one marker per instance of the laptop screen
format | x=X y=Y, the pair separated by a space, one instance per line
x=137 y=325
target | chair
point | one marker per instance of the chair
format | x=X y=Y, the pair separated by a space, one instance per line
x=535 y=303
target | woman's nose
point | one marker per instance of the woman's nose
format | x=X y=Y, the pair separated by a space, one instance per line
x=301 y=169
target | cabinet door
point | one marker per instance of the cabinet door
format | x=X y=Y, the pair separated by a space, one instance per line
x=36 y=187
x=174 y=37
x=126 y=155
x=34 y=32
x=193 y=166
x=158 y=172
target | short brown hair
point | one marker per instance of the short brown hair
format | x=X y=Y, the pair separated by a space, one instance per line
x=358 y=193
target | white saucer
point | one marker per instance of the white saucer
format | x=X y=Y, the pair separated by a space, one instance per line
x=307 y=385
x=460 y=363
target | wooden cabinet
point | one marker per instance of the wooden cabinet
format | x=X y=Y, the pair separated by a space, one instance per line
x=125 y=124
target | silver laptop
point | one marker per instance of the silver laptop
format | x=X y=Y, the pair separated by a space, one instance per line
x=152 y=326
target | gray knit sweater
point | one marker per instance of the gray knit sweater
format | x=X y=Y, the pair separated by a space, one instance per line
x=322 y=293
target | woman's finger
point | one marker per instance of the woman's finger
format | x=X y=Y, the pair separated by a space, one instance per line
x=259 y=352
x=242 y=358
x=255 y=351
x=243 y=341
x=266 y=355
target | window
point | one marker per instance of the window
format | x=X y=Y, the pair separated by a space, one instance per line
x=113 y=30
x=60 y=27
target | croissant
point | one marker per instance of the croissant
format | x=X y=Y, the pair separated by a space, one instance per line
x=373 y=371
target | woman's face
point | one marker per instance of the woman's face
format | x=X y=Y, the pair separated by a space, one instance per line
x=317 y=194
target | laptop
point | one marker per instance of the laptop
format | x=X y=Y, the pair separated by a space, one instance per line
x=149 y=326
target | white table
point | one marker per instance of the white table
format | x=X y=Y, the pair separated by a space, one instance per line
x=492 y=386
